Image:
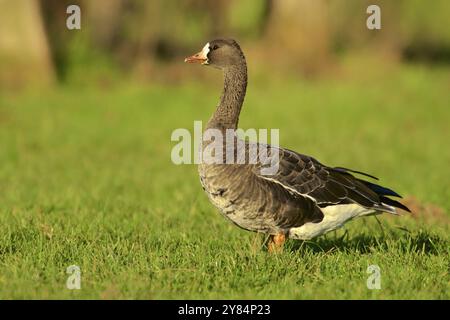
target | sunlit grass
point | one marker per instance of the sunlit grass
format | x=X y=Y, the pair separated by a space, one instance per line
x=86 y=179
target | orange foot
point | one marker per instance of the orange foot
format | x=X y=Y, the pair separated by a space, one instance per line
x=276 y=243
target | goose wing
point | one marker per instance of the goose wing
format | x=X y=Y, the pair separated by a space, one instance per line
x=329 y=186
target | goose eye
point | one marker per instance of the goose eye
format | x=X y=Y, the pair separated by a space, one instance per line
x=215 y=47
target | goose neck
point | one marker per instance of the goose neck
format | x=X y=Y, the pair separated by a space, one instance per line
x=227 y=113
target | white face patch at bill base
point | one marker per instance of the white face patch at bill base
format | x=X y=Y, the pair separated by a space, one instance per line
x=204 y=53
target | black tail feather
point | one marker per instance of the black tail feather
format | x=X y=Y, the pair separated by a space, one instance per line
x=393 y=203
x=345 y=170
x=383 y=191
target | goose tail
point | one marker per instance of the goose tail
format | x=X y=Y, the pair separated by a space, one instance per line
x=383 y=193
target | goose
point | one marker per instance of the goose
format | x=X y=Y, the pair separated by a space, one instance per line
x=304 y=198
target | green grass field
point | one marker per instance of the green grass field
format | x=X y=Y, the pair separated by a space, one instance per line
x=86 y=179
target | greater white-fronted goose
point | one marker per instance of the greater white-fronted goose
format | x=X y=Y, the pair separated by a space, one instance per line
x=303 y=199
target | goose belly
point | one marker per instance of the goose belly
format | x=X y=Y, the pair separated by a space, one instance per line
x=236 y=204
x=238 y=213
x=233 y=212
x=334 y=217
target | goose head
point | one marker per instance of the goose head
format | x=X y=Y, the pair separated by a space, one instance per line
x=219 y=53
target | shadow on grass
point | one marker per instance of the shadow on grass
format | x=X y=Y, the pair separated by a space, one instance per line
x=420 y=242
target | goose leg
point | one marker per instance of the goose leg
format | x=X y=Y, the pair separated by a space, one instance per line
x=276 y=242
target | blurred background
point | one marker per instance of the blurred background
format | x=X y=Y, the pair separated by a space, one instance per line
x=147 y=40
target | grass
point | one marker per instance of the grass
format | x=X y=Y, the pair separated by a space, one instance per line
x=86 y=179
